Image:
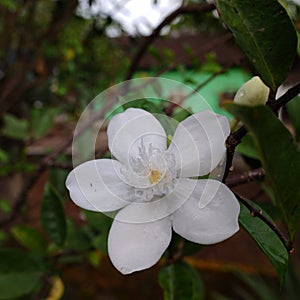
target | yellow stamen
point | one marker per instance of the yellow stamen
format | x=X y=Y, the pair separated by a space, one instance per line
x=154 y=176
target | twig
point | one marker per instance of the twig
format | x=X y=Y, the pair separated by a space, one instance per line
x=232 y=141
x=235 y=138
x=258 y=213
x=187 y=9
x=288 y=96
x=245 y=177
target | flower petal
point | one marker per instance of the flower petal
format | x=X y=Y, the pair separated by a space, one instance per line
x=126 y=129
x=95 y=185
x=144 y=212
x=199 y=143
x=134 y=247
x=210 y=215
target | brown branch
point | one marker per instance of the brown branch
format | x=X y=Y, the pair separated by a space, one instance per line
x=187 y=9
x=231 y=142
x=235 y=137
x=288 y=96
x=258 y=213
x=245 y=177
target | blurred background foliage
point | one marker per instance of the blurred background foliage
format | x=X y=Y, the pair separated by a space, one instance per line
x=55 y=57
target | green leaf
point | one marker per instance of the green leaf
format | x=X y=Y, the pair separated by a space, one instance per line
x=57 y=178
x=20 y=274
x=280 y=157
x=15 y=128
x=5 y=206
x=293 y=108
x=9 y=4
x=53 y=216
x=247 y=147
x=265 y=33
x=42 y=120
x=101 y=224
x=77 y=238
x=266 y=239
x=29 y=237
x=181 y=282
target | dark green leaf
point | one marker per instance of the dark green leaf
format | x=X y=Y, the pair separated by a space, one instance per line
x=247 y=147
x=57 y=177
x=265 y=33
x=266 y=239
x=280 y=157
x=101 y=224
x=294 y=113
x=29 y=237
x=53 y=216
x=150 y=105
x=20 y=274
x=181 y=282
x=77 y=238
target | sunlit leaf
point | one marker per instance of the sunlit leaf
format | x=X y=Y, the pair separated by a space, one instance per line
x=266 y=238
x=29 y=237
x=181 y=282
x=280 y=157
x=265 y=33
x=42 y=120
x=15 y=128
x=53 y=216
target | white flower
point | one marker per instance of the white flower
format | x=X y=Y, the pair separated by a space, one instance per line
x=153 y=189
x=251 y=93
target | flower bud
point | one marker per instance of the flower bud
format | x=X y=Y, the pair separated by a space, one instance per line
x=252 y=93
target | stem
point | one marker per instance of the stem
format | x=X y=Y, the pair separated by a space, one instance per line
x=288 y=96
x=245 y=177
x=258 y=213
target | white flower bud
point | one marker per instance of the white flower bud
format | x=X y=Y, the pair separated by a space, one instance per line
x=252 y=93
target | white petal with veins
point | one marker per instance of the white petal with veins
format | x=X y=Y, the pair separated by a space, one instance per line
x=95 y=185
x=134 y=247
x=126 y=130
x=199 y=143
x=210 y=215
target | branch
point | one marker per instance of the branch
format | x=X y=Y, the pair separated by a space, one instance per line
x=231 y=142
x=258 y=213
x=245 y=177
x=188 y=9
x=288 y=96
x=235 y=137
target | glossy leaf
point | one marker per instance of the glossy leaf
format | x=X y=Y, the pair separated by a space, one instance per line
x=29 y=237
x=20 y=274
x=53 y=216
x=265 y=33
x=266 y=239
x=280 y=157
x=247 y=147
x=181 y=282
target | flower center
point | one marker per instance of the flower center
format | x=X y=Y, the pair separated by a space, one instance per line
x=154 y=176
x=151 y=173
